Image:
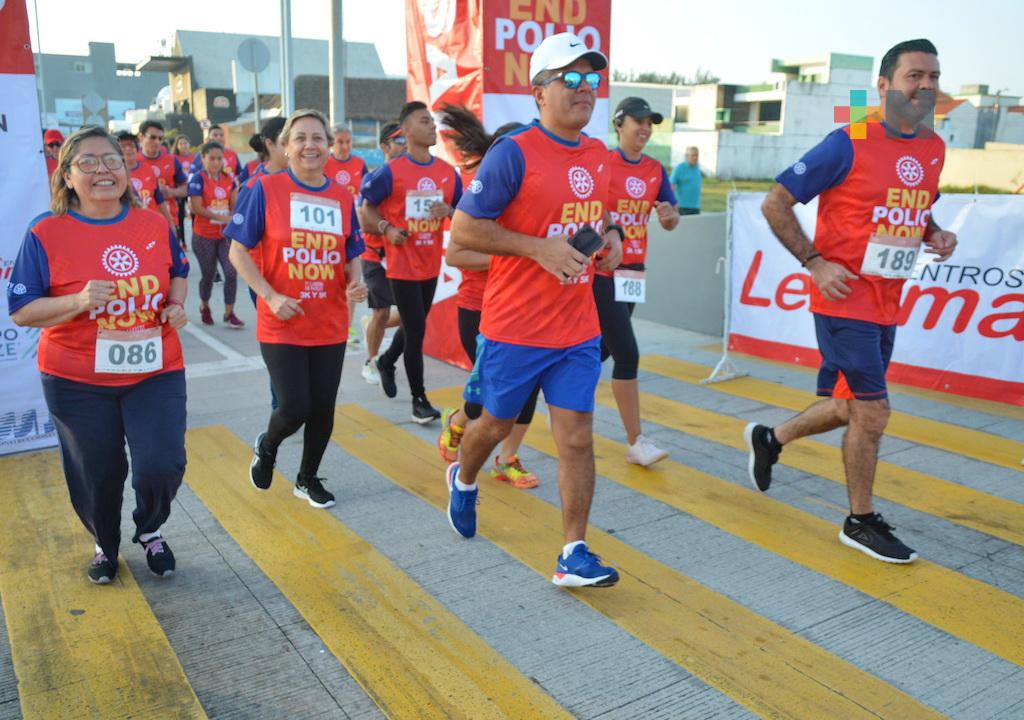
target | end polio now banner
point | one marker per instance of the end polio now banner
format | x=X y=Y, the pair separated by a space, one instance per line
x=477 y=53
x=24 y=421
x=961 y=324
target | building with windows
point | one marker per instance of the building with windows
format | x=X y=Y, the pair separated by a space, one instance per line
x=974 y=116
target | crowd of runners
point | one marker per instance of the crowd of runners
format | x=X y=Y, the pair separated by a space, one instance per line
x=550 y=231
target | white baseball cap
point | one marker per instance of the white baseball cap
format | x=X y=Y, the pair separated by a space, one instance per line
x=560 y=50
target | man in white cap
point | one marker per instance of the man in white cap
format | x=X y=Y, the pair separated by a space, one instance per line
x=539 y=191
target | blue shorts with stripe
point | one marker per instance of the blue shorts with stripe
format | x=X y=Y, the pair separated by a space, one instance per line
x=855 y=356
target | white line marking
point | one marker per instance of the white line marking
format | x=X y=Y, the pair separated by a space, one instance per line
x=213 y=343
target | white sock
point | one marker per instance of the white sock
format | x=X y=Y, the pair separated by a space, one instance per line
x=569 y=547
x=146 y=537
x=462 y=487
x=98 y=549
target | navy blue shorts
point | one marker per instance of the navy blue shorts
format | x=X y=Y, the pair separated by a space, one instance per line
x=854 y=357
x=505 y=375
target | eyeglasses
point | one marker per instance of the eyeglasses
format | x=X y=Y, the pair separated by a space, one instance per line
x=400 y=140
x=573 y=78
x=90 y=164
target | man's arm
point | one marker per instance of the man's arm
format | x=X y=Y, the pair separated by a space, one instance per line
x=369 y=217
x=828 y=276
x=484 y=235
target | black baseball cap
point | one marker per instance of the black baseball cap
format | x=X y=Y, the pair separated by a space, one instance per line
x=388 y=131
x=637 y=108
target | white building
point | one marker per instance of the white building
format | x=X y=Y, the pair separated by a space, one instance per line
x=974 y=116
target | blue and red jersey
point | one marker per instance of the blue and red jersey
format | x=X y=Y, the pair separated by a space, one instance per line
x=61 y=253
x=347 y=173
x=535 y=183
x=303 y=236
x=882 y=185
x=402 y=190
x=169 y=173
x=146 y=185
x=635 y=187
x=232 y=166
x=216 y=197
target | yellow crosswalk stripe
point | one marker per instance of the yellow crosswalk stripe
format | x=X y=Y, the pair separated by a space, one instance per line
x=762 y=666
x=951 y=501
x=959 y=605
x=951 y=438
x=79 y=651
x=409 y=653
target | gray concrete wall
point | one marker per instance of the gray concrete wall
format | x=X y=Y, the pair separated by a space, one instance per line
x=683 y=288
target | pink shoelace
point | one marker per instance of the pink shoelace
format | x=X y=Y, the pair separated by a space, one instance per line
x=154 y=546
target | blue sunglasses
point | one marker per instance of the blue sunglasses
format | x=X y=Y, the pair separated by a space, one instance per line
x=573 y=78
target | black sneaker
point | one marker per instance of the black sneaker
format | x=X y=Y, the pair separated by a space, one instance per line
x=101 y=570
x=874 y=538
x=764 y=452
x=422 y=411
x=311 y=488
x=158 y=556
x=261 y=469
x=387 y=378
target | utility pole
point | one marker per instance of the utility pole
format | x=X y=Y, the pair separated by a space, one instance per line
x=287 y=90
x=336 y=80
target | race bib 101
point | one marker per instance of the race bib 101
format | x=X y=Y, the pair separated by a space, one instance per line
x=630 y=286
x=126 y=352
x=890 y=257
x=320 y=214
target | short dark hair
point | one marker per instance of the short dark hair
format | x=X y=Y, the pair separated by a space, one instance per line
x=147 y=124
x=408 y=109
x=892 y=58
x=388 y=130
x=214 y=126
x=124 y=135
x=271 y=128
x=210 y=145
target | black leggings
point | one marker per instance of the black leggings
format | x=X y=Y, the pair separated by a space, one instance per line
x=305 y=381
x=413 y=299
x=617 y=338
x=469 y=328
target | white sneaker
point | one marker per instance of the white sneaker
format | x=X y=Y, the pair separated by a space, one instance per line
x=370 y=373
x=644 y=452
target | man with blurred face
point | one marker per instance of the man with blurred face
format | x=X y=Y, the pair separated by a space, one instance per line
x=536 y=189
x=687 y=180
x=232 y=166
x=876 y=182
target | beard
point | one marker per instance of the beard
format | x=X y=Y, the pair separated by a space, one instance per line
x=900 y=109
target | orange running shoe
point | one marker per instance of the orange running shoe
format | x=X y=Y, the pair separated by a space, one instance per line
x=514 y=473
x=450 y=437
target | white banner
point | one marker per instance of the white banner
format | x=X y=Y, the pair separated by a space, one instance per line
x=961 y=322
x=24 y=421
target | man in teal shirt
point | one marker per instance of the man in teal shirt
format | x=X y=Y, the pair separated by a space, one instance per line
x=686 y=179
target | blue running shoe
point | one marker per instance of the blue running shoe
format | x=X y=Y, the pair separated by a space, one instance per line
x=461 y=505
x=583 y=569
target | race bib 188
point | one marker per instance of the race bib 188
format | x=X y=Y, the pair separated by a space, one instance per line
x=890 y=257
x=630 y=286
x=125 y=352
x=310 y=212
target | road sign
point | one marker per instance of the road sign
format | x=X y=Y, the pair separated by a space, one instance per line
x=253 y=55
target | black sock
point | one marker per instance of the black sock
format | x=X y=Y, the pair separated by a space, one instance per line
x=865 y=518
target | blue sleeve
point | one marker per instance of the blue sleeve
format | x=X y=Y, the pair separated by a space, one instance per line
x=249 y=220
x=179 y=261
x=497 y=182
x=243 y=174
x=354 y=246
x=158 y=196
x=366 y=168
x=195 y=185
x=823 y=166
x=376 y=187
x=179 y=173
x=30 y=277
x=457 y=195
x=197 y=163
x=666 y=193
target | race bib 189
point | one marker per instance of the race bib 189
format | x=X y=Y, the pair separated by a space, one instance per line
x=125 y=352
x=890 y=257
x=310 y=212
x=419 y=202
x=630 y=286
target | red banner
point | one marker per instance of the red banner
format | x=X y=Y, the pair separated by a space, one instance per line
x=15 y=48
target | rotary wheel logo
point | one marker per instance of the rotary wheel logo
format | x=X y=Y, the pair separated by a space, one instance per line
x=120 y=261
x=220 y=192
x=343 y=178
x=426 y=184
x=910 y=171
x=580 y=182
x=137 y=184
x=636 y=187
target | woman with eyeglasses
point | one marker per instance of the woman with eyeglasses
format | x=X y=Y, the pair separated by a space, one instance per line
x=106 y=280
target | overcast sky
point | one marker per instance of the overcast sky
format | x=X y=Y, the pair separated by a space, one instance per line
x=981 y=41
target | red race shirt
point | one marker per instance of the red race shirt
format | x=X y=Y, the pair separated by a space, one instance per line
x=534 y=183
x=51 y=165
x=147 y=186
x=139 y=254
x=169 y=173
x=402 y=190
x=304 y=236
x=635 y=187
x=349 y=174
x=216 y=196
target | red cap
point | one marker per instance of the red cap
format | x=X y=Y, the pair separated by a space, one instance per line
x=52 y=136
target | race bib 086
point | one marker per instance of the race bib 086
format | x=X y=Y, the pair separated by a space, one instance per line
x=126 y=352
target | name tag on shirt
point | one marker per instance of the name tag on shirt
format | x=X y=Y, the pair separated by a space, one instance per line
x=630 y=286
x=309 y=212
x=419 y=202
x=123 y=352
x=890 y=257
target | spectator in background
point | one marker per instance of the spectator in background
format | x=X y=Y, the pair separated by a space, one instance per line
x=52 y=141
x=687 y=180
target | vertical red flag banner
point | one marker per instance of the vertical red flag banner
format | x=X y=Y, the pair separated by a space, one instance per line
x=477 y=53
x=24 y=420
